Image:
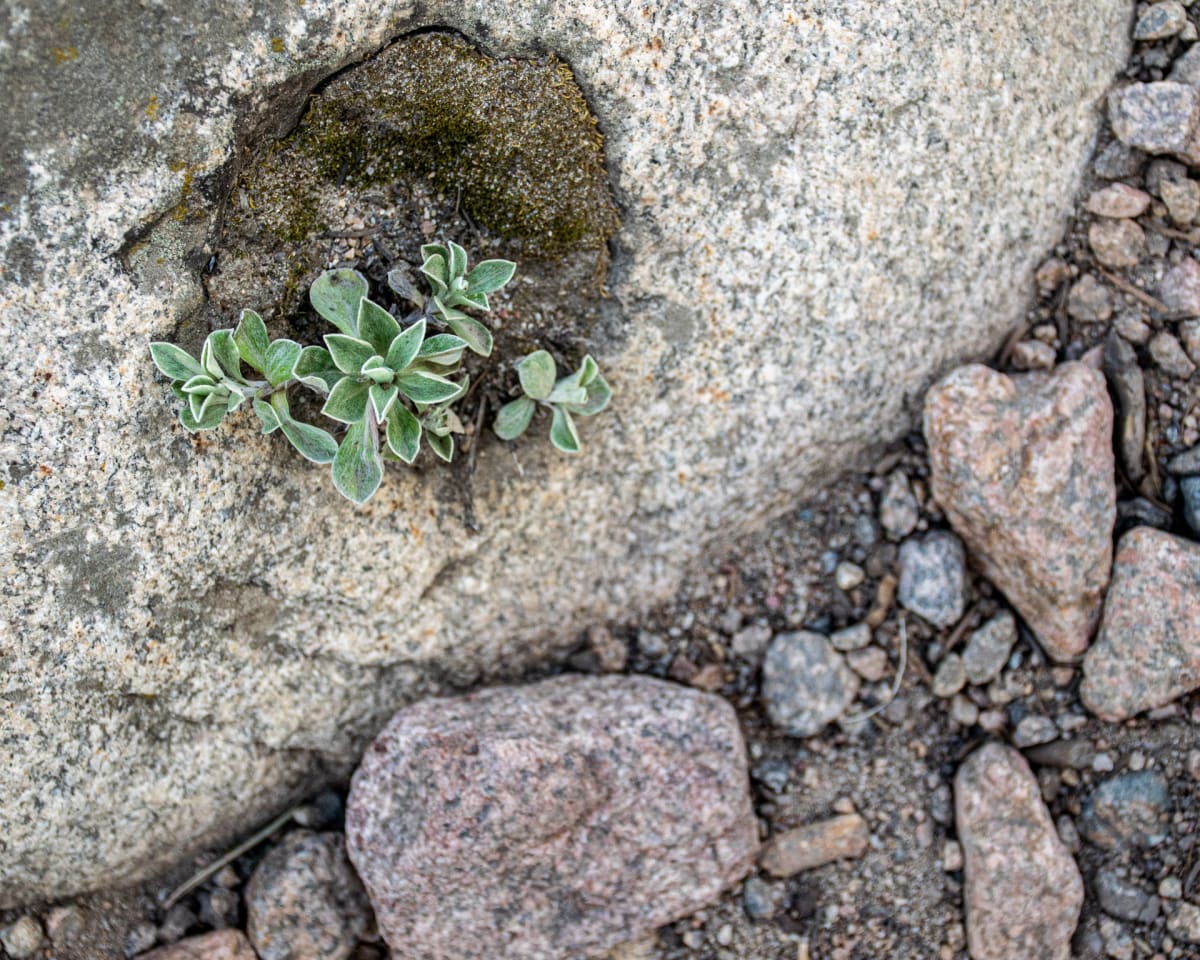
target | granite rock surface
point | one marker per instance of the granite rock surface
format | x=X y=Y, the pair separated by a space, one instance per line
x=196 y=630
x=1023 y=467
x=1147 y=652
x=552 y=820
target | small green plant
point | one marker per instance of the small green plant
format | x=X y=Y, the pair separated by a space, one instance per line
x=584 y=393
x=387 y=384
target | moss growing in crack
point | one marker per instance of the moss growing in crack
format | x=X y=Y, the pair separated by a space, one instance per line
x=514 y=138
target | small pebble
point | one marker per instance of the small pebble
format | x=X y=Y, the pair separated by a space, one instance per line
x=1156 y=118
x=1189 y=336
x=1125 y=811
x=1163 y=171
x=870 y=663
x=1132 y=329
x=952 y=856
x=141 y=938
x=1160 y=20
x=1170 y=888
x=1118 y=201
x=64 y=924
x=1124 y=900
x=806 y=683
x=176 y=923
x=811 y=846
x=219 y=908
x=762 y=898
x=751 y=642
x=1168 y=353
x=989 y=647
x=1089 y=299
x=963 y=711
x=1120 y=162
x=1117 y=243
x=1184 y=922
x=851 y=638
x=610 y=652
x=951 y=676
x=22 y=939
x=1189 y=495
x=898 y=511
x=1055 y=270
x=1033 y=730
x=848 y=576
x=1033 y=355
x=933 y=578
x=1182 y=198
x=725 y=935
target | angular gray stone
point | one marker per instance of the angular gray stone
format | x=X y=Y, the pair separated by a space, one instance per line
x=1160 y=20
x=1159 y=118
x=1126 y=810
x=806 y=683
x=201 y=626
x=304 y=900
x=988 y=648
x=1124 y=900
x=1023 y=890
x=1180 y=287
x=550 y=820
x=933 y=578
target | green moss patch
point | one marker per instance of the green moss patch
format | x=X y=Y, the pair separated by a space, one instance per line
x=512 y=140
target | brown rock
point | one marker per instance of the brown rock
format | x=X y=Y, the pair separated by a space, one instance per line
x=1023 y=890
x=1117 y=243
x=1147 y=652
x=1118 y=200
x=811 y=846
x=1089 y=299
x=549 y=820
x=304 y=900
x=1023 y=467
x=1180 y=287
x=219 y=945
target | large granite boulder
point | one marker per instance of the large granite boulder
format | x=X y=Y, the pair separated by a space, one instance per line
x=823 y=207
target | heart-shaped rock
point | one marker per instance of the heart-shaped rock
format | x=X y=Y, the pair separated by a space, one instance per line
x=1023 y=467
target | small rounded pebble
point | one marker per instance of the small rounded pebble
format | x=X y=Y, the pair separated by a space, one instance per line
x=951 y=676
x=1182 y=198
x=963 y=711
x=22 y=939
x=1160 y=20
x=1033 y=355
x=1134 y=330
x=1179 y=288
x=1089 y=299
x=806 y=683
x=851 y=638
x=1117 y=243
x=952 y=856
x=870 y=663
x=933 y=578
x=848 y=576
x=762 y=898
x=898 y=510
x=1170 y=888
x=1033 y=730
x=1119 y=201
x=1168 y=353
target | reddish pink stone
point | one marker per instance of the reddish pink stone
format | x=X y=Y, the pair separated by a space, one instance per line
x=1023 y=467
x=1023 y=890
x=1148 y=650
x=1180 y=287
x=552 y=820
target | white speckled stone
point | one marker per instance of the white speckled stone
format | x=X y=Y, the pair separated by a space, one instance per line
x=825 y=206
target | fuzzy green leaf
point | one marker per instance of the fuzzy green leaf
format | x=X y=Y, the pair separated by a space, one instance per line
x=201 y=385
x=348 y=353
x=315 y=369
x=357 y=469
x=313 y=443
x=403 y=287
x=376 y=326
x=347 y=401
x=477 y=336
x=435 y=250
x=209 y=361
x=442 y=446
x=252 y=340
x=210 y=414
x=567 y=392
x=489 y=276
x=562 y=432
x=335 y=295
x=513 y=418
x=421 y=387
x=443 y=349
x=281 y=361
x=268 y=416
x=598 y=394
x=225 y=352
x=456 y=263
x=377 y=369
x=177 y=389
x=175 y=362
x=403 y=433
x=405 y=347
x=537 y=372
x=382 y=399
x=434 y=269
x=587 y=372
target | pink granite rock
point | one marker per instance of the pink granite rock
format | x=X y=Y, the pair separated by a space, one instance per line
x=1148 y=650
x=1023 y=890
x=551 y=820
x=1180 y=287
x=1023 y=467
x=219 y=945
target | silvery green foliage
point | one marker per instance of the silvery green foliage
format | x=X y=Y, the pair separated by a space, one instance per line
x=386 y=383
x=582 y=394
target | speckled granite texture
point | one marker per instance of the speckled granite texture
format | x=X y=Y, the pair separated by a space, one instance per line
x=1023 y=467
x=1147 y=652
x=825 y=206
x=552 y=820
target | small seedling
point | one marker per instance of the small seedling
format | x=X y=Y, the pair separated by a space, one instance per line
x=386 y=383
x=584 y=393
